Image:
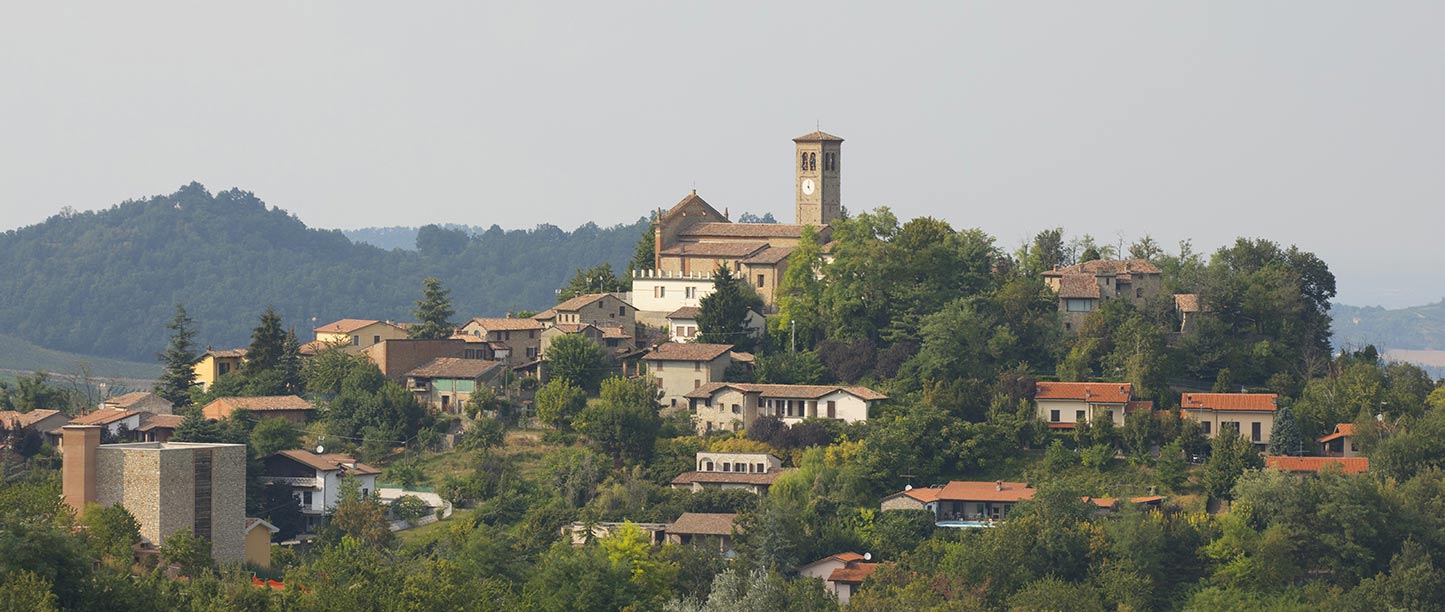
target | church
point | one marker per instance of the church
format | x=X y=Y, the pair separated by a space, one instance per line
x=693 y=238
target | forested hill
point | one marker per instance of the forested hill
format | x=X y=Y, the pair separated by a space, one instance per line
x=104 y=283
x=1414 y=328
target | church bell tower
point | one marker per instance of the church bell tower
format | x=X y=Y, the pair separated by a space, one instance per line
x=816 y=165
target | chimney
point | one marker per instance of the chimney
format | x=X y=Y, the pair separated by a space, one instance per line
x=998 y=485
x=79 y=445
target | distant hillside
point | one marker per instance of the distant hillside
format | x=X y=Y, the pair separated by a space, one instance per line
x=398 y=237
x=1414 y=328
x=106 y=282
x=17 y=355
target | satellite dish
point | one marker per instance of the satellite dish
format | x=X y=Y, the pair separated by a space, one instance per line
x=320 y=449
x=867 y=556
x=907 y=487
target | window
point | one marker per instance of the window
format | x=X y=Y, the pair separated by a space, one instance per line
x=1110 y=414
x=1053 y=416
x=225 y=367
x=1078 y=305
x=697 y=366
x=803 y=165
x=1079 y=416
x=1254 y=432
x=1206 y=427
x=531 y=333
x=621 y=311
x=306 y=498
x=832 y=409
x=356 y=341
x=1231 y=426
x=1138 y=292
x=659 y=292
x=727 y=467
x=761 y=469
x=812 y=161
x=708 y=468
x=696 y=383
x=830 y=161
x=376 y=339
x=737 y=409
x=760 y=280
x=659 y=369
x=689 y=292
x=531 y=353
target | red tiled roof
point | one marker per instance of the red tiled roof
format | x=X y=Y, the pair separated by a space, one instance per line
x=577 y=303
x=1079 y=286
x=507 y=324
x=613 y=331
x=1095 y=392
x=743 y=230
x=853 y=573
x=223 y=353
x=686 y=312
x=819 y=136
x=454 y=367
x=923 y=494
x=770 y=256
x=1187 y=302
x=1255 y=402
x=1348 y=465
x=129 y=399
x=1341 y=430
x=1138 y=406
x=260 y=404
x=700 y=523
x=716 y=249
x=786 y=391
x=329 y=462
x=690 y=199
x=972 y=490
x=687 y=351
x=345 y=326
x=25 y=419
x=160 y=421
x=103 y=416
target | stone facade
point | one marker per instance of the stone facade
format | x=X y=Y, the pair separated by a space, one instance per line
x=158 y=483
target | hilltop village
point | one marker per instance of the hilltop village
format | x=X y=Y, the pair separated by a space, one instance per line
x=844 y=411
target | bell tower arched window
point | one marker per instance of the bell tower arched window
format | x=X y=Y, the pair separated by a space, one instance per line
x=803 y=165
x=812 y=161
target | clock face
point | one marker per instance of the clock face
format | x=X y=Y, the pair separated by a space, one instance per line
x=807 y=186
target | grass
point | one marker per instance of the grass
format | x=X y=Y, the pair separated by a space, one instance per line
x=20 y=357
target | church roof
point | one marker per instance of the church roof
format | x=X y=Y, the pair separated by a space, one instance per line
x=818 y=137
x=716 y=249
x=691 y=198
x=744 y=230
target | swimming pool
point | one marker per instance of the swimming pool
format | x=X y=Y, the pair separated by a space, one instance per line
x=965 y=524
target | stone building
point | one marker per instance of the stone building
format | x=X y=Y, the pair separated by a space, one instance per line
x=167 y=486
x=1083 y=288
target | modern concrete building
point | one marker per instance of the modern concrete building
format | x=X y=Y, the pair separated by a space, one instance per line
x=167 y=486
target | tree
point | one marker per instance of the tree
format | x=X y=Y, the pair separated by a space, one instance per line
x=268 y=344
x=800 y=292
x=273 y=435
x=22 y=589
x=576 y=360
x=1230 y=454
x=111 y=531
x=433 y=312
x=558 y=402
x=180 y=358
x=283 y=511
x=643 y=255
x=722 y=315
x=197 y=428
x=408 y=508
x=624 y=421
x=596 y=279
x=362 y=518
x=190 y=552
x=1285 y=438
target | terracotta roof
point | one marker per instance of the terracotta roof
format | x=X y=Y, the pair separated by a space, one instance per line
x=150 y=421
x=454 y=367
x=842 y=556
x=313 y=347
x=686 y=312
x=613 y=331
x=571 y=328
x=1108 y=502
x=1095 y=392
x=701 y=523
x=580 y=301
x=103 y=416
x=770 y=256
x=1139 y=406
x=345 y=326
x=744 y=230
x=786 y=391
x=970 y=490
x=687 y=351
x=261 y=404
x=818 y=137
x=470 y=339
x=1108 y=266
x=764 y=478
x=743 y=357
x=1341 y=430
x=512 y=324
x=237 y=352
x=922 y=494
x=1188 y=302
x=716 y=249
x=1079 y=286
x=1257 y=402
x=690 y=199
x=853 y=573
x=26 y=419
x=545 y=315
x=329 y=462
x=1348 y=465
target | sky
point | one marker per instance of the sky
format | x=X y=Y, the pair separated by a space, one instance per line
x=1311 y=123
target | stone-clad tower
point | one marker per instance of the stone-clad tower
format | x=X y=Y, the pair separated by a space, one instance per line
x=816 y=165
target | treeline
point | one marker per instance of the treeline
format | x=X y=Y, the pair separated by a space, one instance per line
x=97 y=282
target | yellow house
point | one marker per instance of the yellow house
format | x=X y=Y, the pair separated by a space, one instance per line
x=258 y=542
x=215 y=364
x=357 y=334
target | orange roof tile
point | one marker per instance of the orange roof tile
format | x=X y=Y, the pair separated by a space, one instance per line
x=259 y=404
x=103 y=416
x=329 y=462
x=687 y=351
x=819 y=136
x=1187 y=302
x=454 y=367
x=701 y=523
x=1255 y=402
x=1095 y=392
x=686 y=312
x=511 y=324
x=970 y=490
x=1341 y=430
x=716 y=249
x=1348 y=465
x=345 y=326
x=853 y=573
x=1079 y=286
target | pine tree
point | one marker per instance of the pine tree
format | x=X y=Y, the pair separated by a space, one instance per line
x=180 y=361
x=268 y=344
x=722 y=315
x=1285 y=438
x=291 y=363
x=644 y=256
x=433 y=313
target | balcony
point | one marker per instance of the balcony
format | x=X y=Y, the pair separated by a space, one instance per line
x=295 y=482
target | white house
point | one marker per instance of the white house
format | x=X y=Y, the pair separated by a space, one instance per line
x=682 y=324
x=753 y=472
x=841 y=573
x=1066 y=404
x=315 y=479
x=658 y=292
x=735 y=406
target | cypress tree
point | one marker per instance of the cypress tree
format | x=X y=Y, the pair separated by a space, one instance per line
x=433 y=313
x=180 y=361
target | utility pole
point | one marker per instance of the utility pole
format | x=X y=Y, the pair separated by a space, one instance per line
x=794 y=348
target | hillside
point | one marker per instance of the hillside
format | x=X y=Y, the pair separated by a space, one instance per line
x=104 y=282
x=1415 y=328
x=19 y=356
x=398 y=237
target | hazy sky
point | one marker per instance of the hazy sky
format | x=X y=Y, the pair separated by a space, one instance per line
x=1316 y=123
